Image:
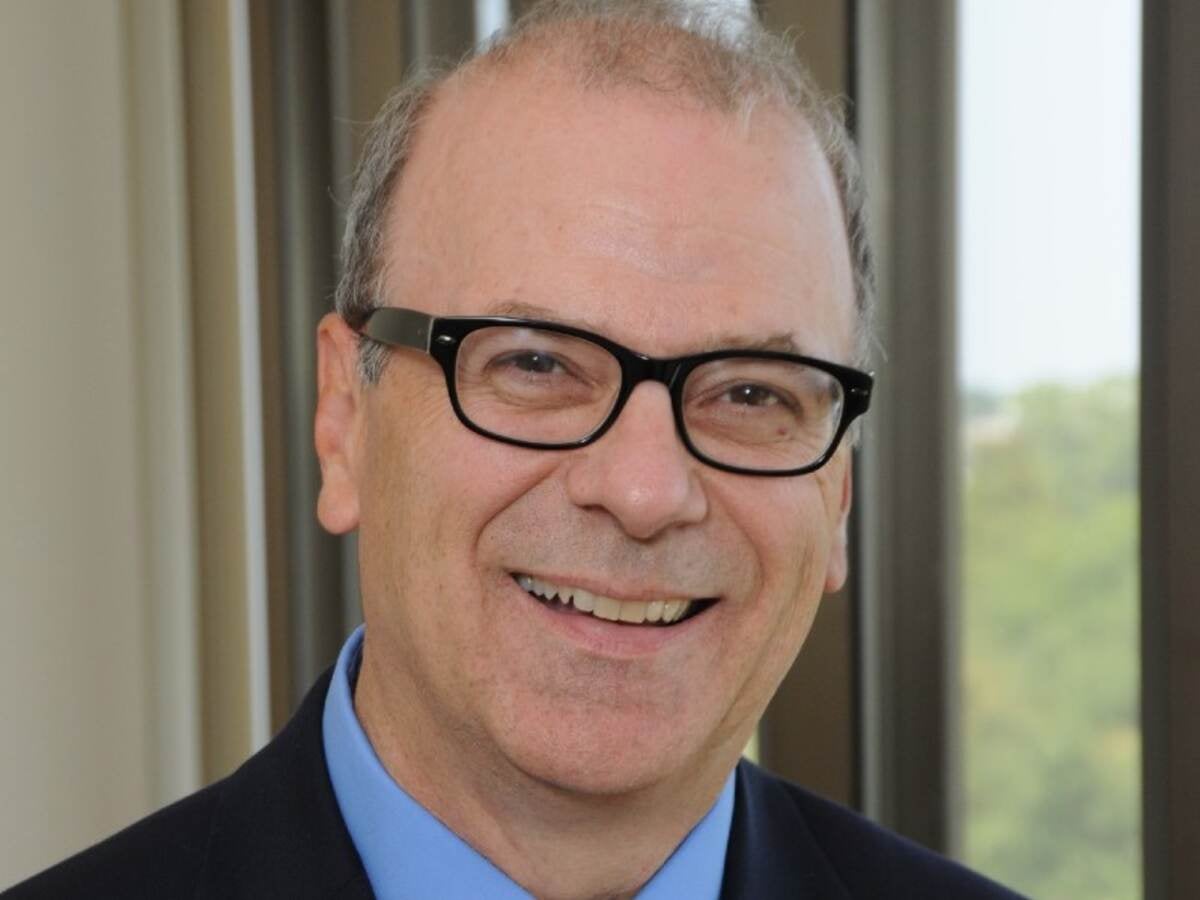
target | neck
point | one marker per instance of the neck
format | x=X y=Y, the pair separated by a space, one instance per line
x=551 y=840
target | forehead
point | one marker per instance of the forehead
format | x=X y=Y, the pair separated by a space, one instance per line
x=653 y=221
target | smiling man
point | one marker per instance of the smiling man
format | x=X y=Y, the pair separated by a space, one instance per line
x=585 y=398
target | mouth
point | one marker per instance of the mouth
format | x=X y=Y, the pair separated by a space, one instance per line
x=661 y=613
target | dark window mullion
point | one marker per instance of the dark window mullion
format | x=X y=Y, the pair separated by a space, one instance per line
x=1170 y=448
x=908 y=502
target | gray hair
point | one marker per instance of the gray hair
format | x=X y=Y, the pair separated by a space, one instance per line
x=723 y=59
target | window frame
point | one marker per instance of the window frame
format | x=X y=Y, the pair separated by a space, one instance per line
x=909 y=507
x=1170 y=446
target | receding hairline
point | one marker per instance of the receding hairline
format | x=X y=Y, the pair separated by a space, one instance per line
x=714 y=59
x=656 y=55
x=521 y=66
x=656 y=58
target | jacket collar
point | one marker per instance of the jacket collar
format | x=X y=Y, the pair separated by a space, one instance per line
x=773 y=854
x=277 y=830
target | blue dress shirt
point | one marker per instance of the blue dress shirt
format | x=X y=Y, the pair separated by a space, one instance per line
x=409 y=855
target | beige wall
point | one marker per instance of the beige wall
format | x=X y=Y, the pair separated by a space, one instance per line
x=74 y=698
x=128 y=646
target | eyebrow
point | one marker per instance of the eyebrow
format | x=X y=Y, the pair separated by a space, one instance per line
x=781 y=341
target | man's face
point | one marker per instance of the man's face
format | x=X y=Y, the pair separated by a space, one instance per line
x=671 y=231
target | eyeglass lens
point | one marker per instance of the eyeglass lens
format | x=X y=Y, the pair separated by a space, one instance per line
x=544 y=387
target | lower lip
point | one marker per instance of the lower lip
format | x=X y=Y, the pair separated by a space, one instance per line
x=612 y=639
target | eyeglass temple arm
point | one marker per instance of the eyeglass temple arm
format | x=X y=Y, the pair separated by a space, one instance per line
x=399 y=327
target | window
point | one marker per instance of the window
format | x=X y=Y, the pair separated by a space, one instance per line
x=1048 y=287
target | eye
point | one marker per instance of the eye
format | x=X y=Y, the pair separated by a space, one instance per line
x=753 y=395
x=530 y=361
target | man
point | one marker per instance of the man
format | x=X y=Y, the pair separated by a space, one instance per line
x=585 y=398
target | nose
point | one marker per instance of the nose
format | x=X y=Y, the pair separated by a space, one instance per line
x=639 y=471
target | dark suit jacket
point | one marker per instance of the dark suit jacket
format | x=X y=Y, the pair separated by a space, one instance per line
x=272 y=829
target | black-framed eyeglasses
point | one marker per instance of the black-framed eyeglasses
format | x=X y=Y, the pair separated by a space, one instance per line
x=553 y=387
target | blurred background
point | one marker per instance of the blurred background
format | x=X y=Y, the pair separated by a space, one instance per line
x=1012 y=675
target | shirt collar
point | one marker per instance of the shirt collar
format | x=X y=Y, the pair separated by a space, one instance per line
x=408 y=853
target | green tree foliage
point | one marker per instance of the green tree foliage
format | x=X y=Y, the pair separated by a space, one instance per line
x=1049 y=643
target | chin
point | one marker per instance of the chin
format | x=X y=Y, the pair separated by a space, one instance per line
x=604 y=755
x=598 y=776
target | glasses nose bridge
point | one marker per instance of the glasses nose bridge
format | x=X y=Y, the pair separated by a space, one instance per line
x=637 y=368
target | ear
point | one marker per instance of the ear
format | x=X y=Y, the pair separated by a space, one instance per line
x=338 y=424
x=838 y=564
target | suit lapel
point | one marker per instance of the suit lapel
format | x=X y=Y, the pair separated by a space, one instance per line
x=278 y=831
x=772 y=853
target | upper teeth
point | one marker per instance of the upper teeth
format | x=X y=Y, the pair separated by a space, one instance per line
x=633 y=611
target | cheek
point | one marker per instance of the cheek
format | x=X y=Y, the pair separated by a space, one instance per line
x=792 y=594
x=790 y=527
x=431 y=488
x=791 y=530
